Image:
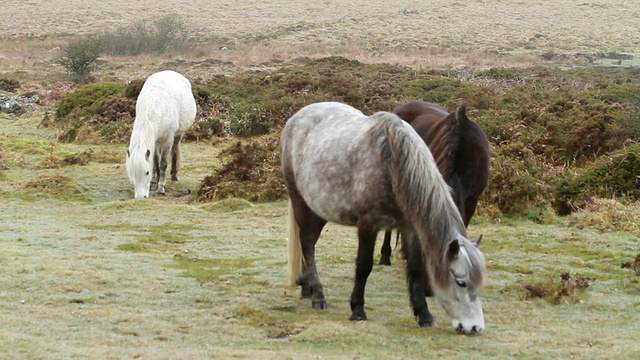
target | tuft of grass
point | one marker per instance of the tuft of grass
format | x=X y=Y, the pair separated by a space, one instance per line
x=57 y=186
x=228 y=205
x=608 y=215
x=132 y=247
x=567 y=288
x=635 y=265
x=215 y=270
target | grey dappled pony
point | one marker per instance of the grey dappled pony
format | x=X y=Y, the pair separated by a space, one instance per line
x=377 y=173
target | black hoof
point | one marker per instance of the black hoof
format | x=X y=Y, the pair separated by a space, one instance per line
x=358 y=317
x=385 y=261
x=428 y=323
x=319 y=304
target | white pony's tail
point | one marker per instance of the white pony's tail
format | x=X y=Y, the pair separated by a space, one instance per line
x=295 y=262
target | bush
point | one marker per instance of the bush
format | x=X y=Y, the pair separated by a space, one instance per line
x=88 y=106
x=88 y=100
x=80 y=58
x=614 y=175
x=144 y=38
x=9 y=85
x=133 y=88
x=251 y=172
x=516 y=182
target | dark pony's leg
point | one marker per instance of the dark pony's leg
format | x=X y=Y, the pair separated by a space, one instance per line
x=417 y=279
x=385 y=252
x=364 y=264
x=175 y=157
x=310 y=226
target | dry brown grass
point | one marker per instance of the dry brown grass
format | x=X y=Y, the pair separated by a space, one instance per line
x=421 y=34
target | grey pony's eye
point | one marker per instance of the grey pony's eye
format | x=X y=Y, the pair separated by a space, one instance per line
x=146 y=174
x=461 y=283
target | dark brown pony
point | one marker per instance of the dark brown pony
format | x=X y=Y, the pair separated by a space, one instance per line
x=461 y=151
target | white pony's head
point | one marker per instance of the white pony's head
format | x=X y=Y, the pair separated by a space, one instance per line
x=457 y=290
x=139 y=166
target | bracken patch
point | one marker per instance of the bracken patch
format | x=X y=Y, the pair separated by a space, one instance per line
x=557 y=291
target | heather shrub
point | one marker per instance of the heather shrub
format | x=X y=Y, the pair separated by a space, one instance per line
x=610 y=176
x=80 y=58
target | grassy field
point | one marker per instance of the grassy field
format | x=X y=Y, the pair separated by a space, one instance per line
x=89 y=272
x=86 y=271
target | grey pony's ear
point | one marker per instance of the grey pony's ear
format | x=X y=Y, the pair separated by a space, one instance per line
x=476 y=242
x=454 y=250
x=128 y=153
x=147 y=154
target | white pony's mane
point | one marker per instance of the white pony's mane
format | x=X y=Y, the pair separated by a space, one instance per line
x=141 y=140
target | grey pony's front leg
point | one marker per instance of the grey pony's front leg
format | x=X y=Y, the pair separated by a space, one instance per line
x=416 y=279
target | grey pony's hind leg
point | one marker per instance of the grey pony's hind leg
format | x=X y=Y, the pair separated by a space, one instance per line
x=417 y=279
x=175 y=157
x=311 y=226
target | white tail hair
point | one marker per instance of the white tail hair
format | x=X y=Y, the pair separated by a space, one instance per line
x=296 y=261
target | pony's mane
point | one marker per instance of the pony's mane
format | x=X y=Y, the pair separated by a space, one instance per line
x=475 y=257
x=141 y=140
x=423 y=195
x=444 y=142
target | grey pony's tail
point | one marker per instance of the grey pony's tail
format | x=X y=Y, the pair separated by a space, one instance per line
x=295 y=261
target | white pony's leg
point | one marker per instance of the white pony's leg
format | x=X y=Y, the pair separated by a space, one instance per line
x=175 y=157
x=162 y=169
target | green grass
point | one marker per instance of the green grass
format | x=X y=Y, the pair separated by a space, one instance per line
x=195 y=279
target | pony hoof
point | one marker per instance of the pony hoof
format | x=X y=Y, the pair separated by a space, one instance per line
x=306 y=292
x=160 y=193
x=428 y=323
x=358 y=317
x=384 y=261
x=319 y=305
x=174 y=178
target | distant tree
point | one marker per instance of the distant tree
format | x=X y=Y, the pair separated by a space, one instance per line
x=80 y=58
x=146 y=37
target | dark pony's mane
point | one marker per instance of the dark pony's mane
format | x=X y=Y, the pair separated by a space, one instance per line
x=459 y=147
x=422 y=195
x=444 y=140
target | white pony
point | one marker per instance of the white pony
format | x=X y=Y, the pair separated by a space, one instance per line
x=165 y=110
